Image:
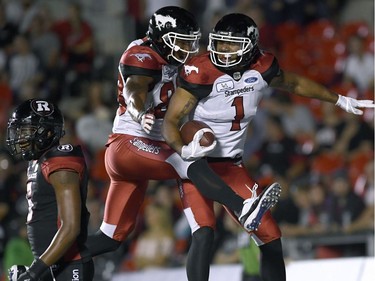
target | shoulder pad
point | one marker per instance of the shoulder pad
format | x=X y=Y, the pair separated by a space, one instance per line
x=268 y=66
x=63 y=150
x=199 y=70
x=142 y=57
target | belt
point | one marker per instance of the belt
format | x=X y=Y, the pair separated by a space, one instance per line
x=223 y=159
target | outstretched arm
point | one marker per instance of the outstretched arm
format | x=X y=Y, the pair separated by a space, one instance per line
x=305 y=87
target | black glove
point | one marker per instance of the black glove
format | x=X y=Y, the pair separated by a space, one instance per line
x=34 y=272
x=15 y=271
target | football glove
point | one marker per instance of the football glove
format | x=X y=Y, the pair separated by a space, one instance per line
x=194 y=150
x=147 y=120
x=15 y=271
x=26 y=277
x=35 y=270
x=351 y=105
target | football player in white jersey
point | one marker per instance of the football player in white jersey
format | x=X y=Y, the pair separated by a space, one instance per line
x=136 y=151
x=223 y=88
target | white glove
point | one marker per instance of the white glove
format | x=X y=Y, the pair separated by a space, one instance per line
x=351 y=105
x=147 y=121
x=194 y=150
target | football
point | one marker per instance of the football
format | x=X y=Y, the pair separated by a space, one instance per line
x=189 y=129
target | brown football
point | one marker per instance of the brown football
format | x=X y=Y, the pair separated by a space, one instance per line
x=189 y=129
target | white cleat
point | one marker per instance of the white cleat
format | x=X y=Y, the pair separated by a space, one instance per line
x=254 y=208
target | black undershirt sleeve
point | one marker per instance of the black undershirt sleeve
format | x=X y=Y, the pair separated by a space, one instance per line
x=198 y=90
x=271 y=72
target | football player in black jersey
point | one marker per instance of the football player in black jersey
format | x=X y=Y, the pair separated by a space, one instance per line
x=223 y=88
x=56 y=193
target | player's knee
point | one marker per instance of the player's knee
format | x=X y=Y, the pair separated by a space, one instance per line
x=204 y=235
x=273 y=248
x=195 y=168
x=100 y=243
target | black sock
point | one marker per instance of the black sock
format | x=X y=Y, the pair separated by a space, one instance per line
x=213 y=187
x=272 y=261
x=100 y=243
x=199 y=256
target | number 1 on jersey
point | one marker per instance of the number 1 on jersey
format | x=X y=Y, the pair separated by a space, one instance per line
x=238 y=105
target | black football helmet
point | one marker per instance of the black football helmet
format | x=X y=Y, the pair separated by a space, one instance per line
x=174 y=33
x=34 y=126
x=234 y=30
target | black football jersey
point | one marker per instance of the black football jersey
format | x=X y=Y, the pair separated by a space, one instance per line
x=43 y=219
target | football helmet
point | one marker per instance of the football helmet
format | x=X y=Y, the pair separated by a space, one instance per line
x=174 y=34
x=34 y=126
x=234 y=41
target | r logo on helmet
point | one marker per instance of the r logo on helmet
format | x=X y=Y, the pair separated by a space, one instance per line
x=42 y=107
x=65 y=147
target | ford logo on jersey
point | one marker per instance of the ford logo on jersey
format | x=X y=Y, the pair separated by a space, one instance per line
x=251 y=80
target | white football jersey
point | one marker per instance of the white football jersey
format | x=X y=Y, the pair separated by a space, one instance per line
x=227 y=102
x=142 y=60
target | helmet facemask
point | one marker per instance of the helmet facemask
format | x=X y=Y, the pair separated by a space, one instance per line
x=181 y=45
x=31 y=141
x=231 y=50
x=21 y=140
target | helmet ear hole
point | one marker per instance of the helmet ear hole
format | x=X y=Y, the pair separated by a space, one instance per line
x=43 y=137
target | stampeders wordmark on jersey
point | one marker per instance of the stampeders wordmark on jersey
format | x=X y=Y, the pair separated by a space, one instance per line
x=154 y=149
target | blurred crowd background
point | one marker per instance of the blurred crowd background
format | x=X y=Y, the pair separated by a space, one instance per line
x=68 y=51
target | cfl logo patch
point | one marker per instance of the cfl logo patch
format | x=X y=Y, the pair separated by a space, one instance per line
x=75 y=276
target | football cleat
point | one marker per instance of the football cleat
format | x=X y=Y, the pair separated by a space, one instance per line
x=15 y=271
x=254 y=208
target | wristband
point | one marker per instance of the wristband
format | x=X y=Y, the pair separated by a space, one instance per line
x=37 y=268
